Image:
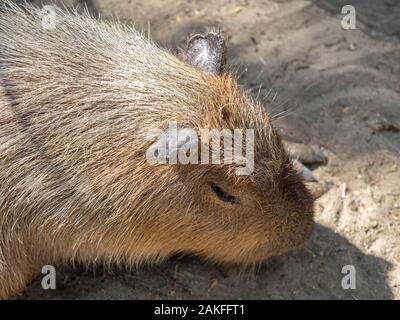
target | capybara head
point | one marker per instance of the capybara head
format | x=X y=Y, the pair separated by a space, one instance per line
x=215 y=210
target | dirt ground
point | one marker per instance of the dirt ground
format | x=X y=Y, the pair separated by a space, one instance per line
x=323 y=84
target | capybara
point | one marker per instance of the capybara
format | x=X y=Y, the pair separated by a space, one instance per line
x=77 y=100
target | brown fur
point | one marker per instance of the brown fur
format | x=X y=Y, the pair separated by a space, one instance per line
x=76 y=103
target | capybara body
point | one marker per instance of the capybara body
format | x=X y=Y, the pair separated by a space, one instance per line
x=76 y=103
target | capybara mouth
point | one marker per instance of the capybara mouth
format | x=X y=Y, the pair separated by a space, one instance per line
x=294 y=238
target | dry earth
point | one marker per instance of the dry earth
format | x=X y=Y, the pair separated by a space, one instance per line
x=338 y=88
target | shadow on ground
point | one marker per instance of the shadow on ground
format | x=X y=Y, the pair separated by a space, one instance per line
x=311 y=273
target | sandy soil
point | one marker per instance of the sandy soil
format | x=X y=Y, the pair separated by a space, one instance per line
x=323 y=84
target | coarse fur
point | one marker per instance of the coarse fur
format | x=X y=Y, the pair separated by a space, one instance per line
x=76 y=103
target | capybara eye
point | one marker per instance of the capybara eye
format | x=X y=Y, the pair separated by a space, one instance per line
x=223 y=196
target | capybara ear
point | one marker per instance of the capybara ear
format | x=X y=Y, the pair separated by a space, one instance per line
x=206 y=52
